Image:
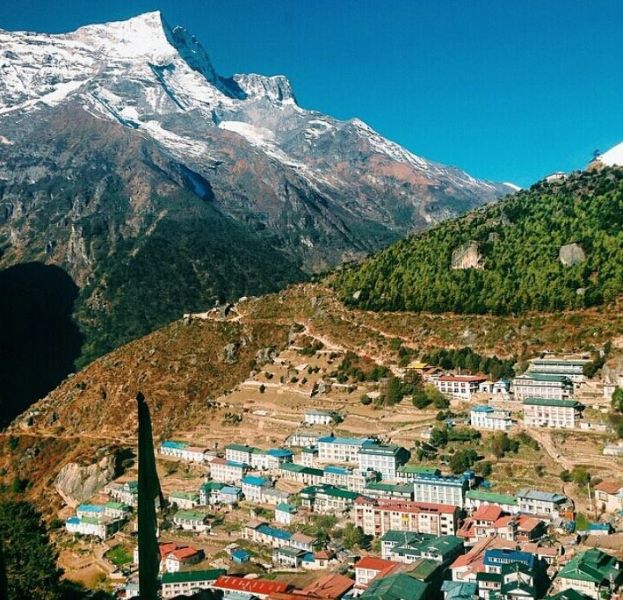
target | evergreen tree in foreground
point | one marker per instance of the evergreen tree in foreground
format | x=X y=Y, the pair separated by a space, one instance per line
x=28 y=568
x=148 y=492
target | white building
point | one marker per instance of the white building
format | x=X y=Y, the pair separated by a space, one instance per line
x=227 y=471
x=487 y=417
x=542 y=385
x=284 y=513
x=541 y=504
x=440 y=489
x=269 y=460
x=126 y=492
x=459 y=386
x=252 y=487
x=550 y=412
x=340 y=449
x=308 y=457
x=239 y=453
x=184 y=500
x=101 y=527
x=184 y=451
x=191 y=520
x=188 y=582
x=304 y=438
x=383 y=458
x=571 y=368
x=314 y=416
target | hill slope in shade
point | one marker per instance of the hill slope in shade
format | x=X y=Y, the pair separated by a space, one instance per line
x=123 y=151
x=557 y=245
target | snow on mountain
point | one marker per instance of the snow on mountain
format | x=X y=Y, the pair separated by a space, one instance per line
x=613 y=157
x=159 y=80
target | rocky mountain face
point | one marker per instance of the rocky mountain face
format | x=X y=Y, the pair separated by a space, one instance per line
x=159 y=185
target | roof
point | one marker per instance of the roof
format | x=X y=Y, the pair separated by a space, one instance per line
x=488 y=512
x=347 y=441
x=239 y=448
x=252 y=586
x=406 y=505
x=280 y=534
x=184 y=495
x=542 y=377
x=336 y=492
x=498 y=556
x=117 y=506
x=541 y=496
x=483 y=408
x=402 y=488
x=553 y=402
x=174 y=444
x=459 y=590
x=609 y=487
x=91 y=508
x=190 y=515
x=285 y=507
x=373 y=563
x=569 y=594
x=183 y=553
x=279 y=452
x=230 y=489
x=382 y=449
x=492 y=497
x=210 y=486
x=416 y=469
x=301 y=537
x=330 y=586
x=319 y=413
x=189 y=576
x=338 y=470
x=593 y=565
x=463 y=378
x=254 y=480
x=399 y=586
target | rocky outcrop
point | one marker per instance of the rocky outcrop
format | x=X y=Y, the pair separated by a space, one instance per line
x=467 y=256
x=571 y=254
x=76 y=484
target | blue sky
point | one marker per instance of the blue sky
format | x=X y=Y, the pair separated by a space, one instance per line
x=509 y=90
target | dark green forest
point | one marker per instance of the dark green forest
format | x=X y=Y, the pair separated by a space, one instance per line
x=518 y=241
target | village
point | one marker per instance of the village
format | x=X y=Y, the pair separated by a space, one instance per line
x=313 y=486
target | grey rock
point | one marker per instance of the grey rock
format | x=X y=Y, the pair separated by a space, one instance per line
x=77 y=484
x=571 y=254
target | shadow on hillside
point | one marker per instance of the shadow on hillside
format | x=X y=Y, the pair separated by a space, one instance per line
x=39 y=341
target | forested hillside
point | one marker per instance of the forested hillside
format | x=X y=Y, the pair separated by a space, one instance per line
x=557 y=245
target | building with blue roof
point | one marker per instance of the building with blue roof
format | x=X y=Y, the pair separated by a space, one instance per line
x=240 y=555
x=229 y=494
x=490 y=418
x=252 y=487
x=549 y=505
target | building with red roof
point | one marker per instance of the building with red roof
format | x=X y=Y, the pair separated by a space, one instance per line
x=371 y=567
x=262 y=588
x=331 y=586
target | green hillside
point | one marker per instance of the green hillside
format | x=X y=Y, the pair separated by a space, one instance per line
x=516 y=245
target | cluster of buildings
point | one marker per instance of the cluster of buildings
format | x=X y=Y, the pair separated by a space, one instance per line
x=98 y=520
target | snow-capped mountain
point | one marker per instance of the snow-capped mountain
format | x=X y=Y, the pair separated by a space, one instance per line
x=117 y=135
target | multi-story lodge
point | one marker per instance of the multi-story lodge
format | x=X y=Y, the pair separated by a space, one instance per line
x=571 y=368
x=354 y=480
x=184 y=451
x=440 y=489
x=542 y=504
x=327 y=499
x=269 y=460
x=383 y=458
x=550 y=412
x=488 y=417
x=408 y=547
x=126 y=492
x=301 y=474
x=227 y=471
x=313 y=416
x=542 y=385
x=593 y=573
x=239 y=453
x=377 y=516
x=340 y=449
x=187 y=582
x=459 y=386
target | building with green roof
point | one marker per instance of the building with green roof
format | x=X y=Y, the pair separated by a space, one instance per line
x=474 y=499
x=399 y=586
x=187 y=582
x=559 y=413
x=591 y=572
x=542 y=385
x=379 y=489
x=409 y=471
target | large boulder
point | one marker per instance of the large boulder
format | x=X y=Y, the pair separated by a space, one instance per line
x=76 y=483
x=571 y=254
x=467 y=256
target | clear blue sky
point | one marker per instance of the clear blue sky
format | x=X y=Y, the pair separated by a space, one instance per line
x=510 y=90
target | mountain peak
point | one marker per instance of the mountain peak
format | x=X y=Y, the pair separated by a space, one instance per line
x=276 y=88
